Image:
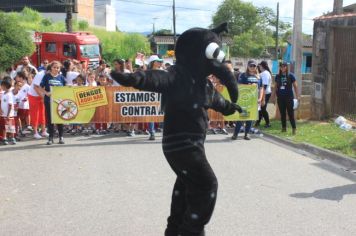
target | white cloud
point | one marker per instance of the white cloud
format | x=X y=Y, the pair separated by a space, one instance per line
x=132 y=17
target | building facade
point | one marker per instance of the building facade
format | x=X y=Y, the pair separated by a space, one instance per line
x=53 y=9
x=334 y=56
x=105 y=14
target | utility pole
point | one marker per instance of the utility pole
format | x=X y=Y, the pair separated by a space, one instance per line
x=277 y=32
x=69 y=11
x=174 y=23
x=154 y=25
x=297 y=43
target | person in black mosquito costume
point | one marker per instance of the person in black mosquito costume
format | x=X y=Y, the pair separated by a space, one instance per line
x=186 y=96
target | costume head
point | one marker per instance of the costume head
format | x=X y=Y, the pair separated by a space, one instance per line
x=197 y=47
x=199 y=51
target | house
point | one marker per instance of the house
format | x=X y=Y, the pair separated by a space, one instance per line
x=307 y=52
x=334 y=56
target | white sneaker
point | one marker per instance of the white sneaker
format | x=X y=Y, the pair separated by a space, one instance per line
x=37 y=136
x=45 y=134
x=29 y=128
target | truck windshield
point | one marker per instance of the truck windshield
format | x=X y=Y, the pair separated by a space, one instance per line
x=90 y=50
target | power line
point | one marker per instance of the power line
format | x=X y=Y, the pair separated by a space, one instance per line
x=160 y=5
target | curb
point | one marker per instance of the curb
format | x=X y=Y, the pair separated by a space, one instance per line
x=347 y=162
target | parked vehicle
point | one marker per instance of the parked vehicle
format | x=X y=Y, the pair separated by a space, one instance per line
x=82 y=46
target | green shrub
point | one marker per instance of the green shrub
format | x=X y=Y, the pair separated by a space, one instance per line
x=15 y=41
x=353 y=144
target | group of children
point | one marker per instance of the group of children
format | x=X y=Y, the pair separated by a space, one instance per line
x=22 y=107
x=15 y=107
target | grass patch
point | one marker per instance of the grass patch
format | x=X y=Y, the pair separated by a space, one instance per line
x=322 y=134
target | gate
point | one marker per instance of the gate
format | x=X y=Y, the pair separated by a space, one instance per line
x=344 y=77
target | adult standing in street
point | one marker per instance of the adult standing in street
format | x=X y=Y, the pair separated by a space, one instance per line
x=155 y=63
x=53 y=78
x=285 y=83
x=26 y=65
x=266 y=79
x=251 y=76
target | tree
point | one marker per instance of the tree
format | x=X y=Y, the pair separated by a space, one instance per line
x=121 y=45
x=250 y=44
x=252 y=28
x=83 y=25
x=239 y=15
x=15 y=41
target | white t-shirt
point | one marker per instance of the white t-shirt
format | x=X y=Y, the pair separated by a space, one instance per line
x=6 y=100
x=71 y=75
x=16 y=101
x=94 y=84
x=22 y=95
x=114 y=83
x=266 y=80
x=20 y=67
x=13 y=74
x=36 y=81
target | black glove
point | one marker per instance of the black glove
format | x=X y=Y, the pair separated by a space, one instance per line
x=231 y=109
x=237 y=108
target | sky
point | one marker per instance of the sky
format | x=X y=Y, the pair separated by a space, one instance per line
x=141 y=15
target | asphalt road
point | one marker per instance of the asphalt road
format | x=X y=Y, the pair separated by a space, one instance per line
x=109 y=185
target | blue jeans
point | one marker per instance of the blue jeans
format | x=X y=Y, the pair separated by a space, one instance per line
x=151 y=128
x=239 y=125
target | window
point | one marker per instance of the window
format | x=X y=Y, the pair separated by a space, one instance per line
x=90 y=50
x=51 y=47
x=69 y=50
x=308 y=64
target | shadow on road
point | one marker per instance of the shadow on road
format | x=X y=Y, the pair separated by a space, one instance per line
x=332 y=194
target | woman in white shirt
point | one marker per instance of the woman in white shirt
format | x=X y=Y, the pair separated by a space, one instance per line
x=266 y=77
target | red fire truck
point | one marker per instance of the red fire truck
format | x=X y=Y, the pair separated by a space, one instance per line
x=82 y=46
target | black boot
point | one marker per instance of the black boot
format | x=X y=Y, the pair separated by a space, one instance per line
x=170 y=232
x=191 y=234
